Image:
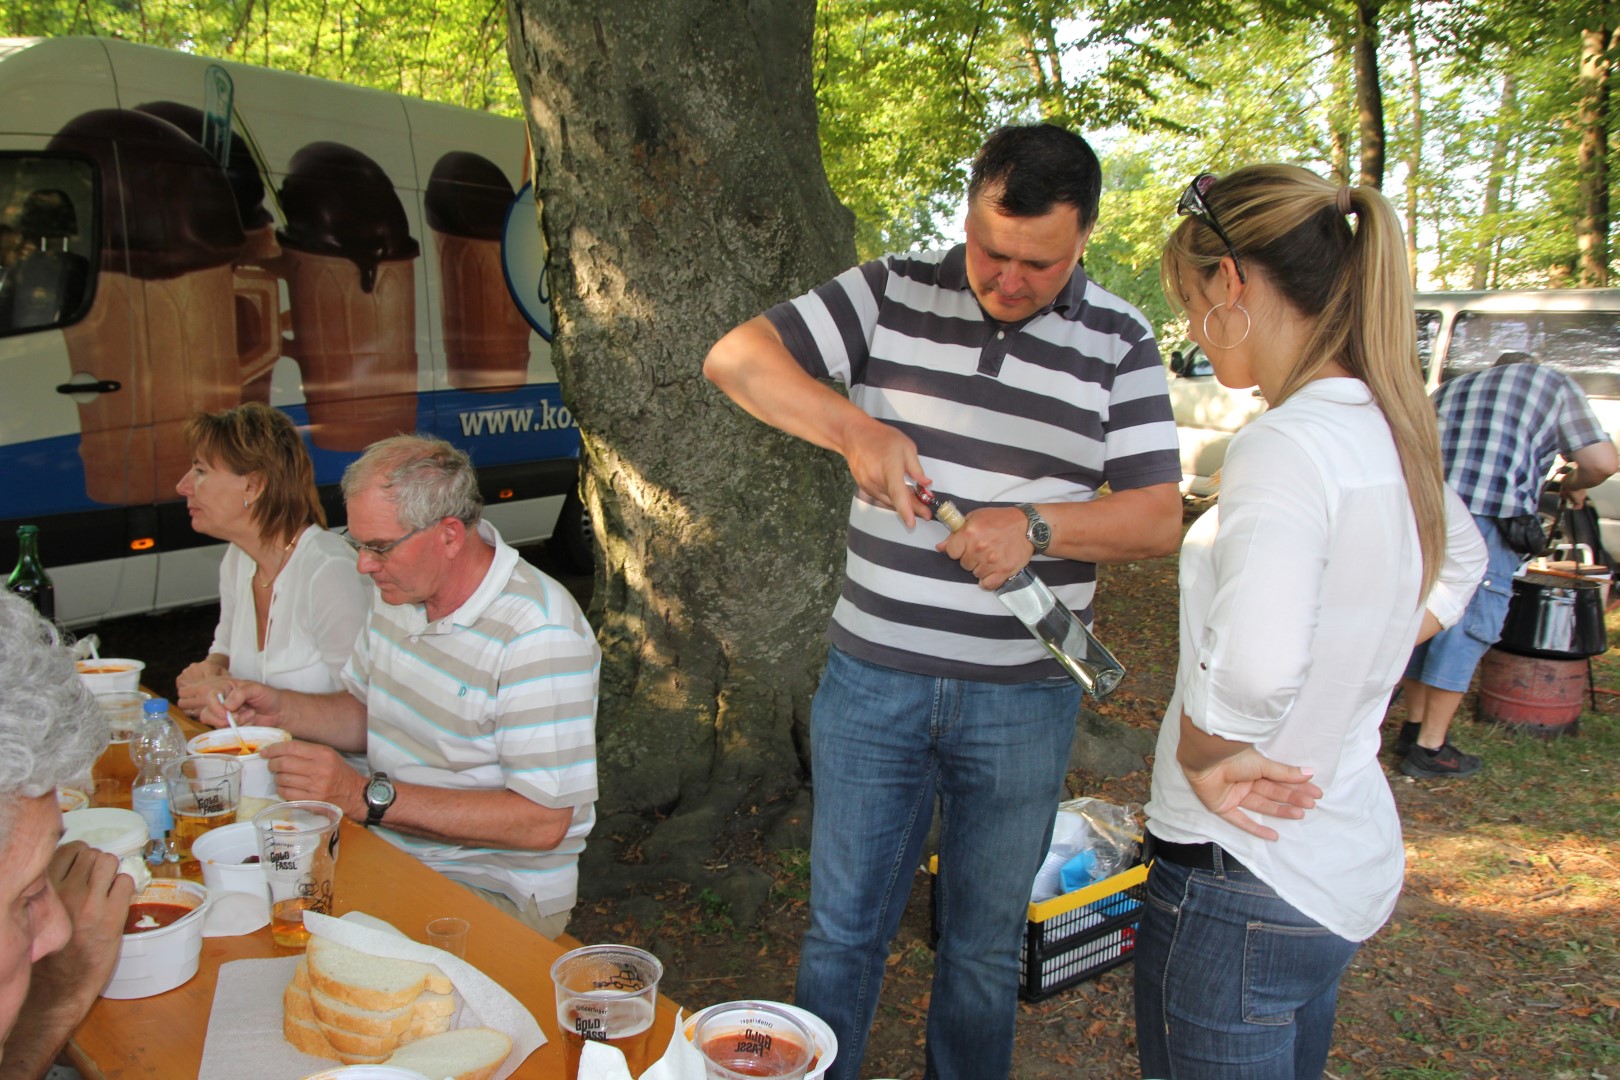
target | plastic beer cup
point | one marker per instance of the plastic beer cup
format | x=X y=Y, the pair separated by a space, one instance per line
x=607 y=993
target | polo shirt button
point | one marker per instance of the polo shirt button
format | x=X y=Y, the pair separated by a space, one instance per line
x=1000 y=334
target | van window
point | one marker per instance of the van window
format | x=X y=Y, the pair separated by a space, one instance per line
x=48 y=242
x=1428 y=328
x=1584 y=345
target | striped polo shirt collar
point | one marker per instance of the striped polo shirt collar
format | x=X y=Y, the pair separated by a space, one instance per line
x=953 y=275
x=489 y=590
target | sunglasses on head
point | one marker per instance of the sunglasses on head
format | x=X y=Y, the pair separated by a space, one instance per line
x=1193 y=204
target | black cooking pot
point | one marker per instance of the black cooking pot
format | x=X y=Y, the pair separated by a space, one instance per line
x=1556 y=618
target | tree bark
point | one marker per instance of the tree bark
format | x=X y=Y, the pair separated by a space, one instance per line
x=1339 y=98
x=681 y=189
x=1489 y=243
x=1369 y=95
x=1414 y=163
x=1592 y=153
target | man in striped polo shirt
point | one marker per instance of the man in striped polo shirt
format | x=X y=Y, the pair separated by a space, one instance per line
x=1000 y=375
x=471 y=690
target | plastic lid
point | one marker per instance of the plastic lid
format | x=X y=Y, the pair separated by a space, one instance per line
x=156 y=705
x=110 y=829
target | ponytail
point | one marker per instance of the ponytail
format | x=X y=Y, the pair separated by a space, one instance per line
x=1353 y=285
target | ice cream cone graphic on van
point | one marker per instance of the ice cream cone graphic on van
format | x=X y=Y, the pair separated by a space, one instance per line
x=486 y=338
x=349 y=261
x=161 y=340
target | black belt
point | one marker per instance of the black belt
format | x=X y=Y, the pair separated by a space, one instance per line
x=1192 y=856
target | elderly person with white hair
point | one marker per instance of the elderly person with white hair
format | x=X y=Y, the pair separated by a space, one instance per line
x=61 y=908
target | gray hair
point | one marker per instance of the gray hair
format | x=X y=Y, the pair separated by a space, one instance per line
x=425 y=478
x=51 y=731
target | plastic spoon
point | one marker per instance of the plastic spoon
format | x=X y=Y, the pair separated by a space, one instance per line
x=230 y=718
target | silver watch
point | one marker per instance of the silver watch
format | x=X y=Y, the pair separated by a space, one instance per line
x=1039 y=533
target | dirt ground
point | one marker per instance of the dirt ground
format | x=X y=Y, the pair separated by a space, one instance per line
x=1500 y=960
x=1449 y=988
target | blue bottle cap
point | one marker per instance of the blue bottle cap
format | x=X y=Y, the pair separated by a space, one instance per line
x=155 y=705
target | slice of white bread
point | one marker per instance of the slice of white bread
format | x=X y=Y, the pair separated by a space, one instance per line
x=462 y=1054
x=420 y=1013
x=348 y=1042
x=369 y=982
x=299 y=1027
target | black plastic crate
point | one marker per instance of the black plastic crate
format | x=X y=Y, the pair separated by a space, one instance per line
x=1076 y=936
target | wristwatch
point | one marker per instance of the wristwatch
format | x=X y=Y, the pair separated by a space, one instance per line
x=1039 y=533
x=379 y=797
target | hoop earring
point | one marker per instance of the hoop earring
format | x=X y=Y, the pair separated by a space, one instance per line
x=1248 y=324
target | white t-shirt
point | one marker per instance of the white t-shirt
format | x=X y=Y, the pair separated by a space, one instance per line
x=318 y=604
x=1299 y=609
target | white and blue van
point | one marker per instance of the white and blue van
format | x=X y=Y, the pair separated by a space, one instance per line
x=181 y=235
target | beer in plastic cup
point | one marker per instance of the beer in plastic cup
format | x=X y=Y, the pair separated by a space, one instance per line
x=607 y=993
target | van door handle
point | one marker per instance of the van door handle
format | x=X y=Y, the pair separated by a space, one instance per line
x=99 y=386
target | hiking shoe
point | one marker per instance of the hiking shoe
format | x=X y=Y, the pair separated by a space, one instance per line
x=1407 y=738
x=1447 y=761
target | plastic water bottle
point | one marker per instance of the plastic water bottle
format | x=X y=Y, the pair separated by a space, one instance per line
x=156 y=743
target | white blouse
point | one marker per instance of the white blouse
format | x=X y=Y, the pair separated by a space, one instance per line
x=1299 y=609
x=318 y=604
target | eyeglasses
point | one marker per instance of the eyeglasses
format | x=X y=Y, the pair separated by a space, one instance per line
x=378 y=551
x=1193 y=204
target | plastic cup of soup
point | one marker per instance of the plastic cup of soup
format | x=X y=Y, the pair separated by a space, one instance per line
x=743 y=1039
x=825 y=1041
x=162 y=940
x=258 y=786
x=230 y=860
x=111 y=675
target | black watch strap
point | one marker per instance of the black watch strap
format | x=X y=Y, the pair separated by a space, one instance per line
x=376 y=807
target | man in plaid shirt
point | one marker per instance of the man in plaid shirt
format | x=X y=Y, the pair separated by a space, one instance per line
x=1500 y=430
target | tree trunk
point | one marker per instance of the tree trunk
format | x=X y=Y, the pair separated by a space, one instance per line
x=679 y=175
x=1369 y=96
x=1489 y=243
x=1414 y=163
x=1592 y=154
x=1339 y=98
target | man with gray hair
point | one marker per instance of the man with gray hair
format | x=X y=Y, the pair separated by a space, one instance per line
x=471 y=690
x=61 y=908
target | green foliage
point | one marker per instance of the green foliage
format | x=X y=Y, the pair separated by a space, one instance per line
x=907 y=89
x=1168 y=89
x=452 y=51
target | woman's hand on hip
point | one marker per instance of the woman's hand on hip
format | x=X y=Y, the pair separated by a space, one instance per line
x=1249 y=782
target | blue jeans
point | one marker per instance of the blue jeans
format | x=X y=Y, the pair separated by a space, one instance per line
x=1231 y=980
x=883 y=744
x=1447 y=660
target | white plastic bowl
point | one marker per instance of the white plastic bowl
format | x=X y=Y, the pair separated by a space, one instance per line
x=153 y=961
x=826 y=1041
x=111 y=673
x=116 y=831
x=106 y=828
x=221 y=853
x=258 y=786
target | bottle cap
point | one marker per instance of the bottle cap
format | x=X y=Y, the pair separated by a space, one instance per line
x=155 y=705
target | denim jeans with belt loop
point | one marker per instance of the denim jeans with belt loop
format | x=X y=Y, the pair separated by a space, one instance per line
x=1232 y=980
x=884 y=744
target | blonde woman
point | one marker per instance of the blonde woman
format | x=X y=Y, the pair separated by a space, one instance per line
x=1335 y=546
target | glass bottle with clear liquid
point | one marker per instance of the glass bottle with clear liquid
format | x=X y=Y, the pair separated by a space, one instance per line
x=1047 y=618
